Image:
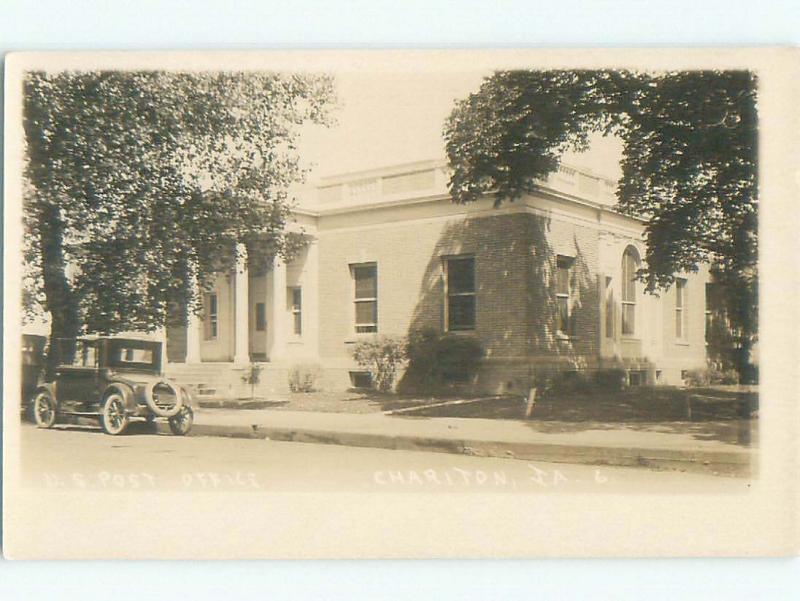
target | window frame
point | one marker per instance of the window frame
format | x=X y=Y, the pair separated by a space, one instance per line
x=629 y=303
x=609 y=321
x=680 y=309
x=211 y=318
x=448 y=294
x=260 y=317
x=295 y=309
x=354 y=268
x=564 y=262
x=708 y=322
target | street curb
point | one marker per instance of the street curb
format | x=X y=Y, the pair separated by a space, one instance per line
x=740 y=463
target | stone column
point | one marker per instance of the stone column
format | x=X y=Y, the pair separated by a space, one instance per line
x=278 y=316
x=193 y=331
x=241 y=313
x=161 y=336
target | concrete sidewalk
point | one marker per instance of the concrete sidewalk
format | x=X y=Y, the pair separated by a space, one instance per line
x=674 y=445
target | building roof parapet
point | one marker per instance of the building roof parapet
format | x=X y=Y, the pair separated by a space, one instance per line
x=427 y=181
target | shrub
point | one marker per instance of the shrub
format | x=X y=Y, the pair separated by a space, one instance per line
x=696 y=377
x=252 y=376
x=381 y=356
x=303 y=377
x=728 y=376
x=569 y=382
x=610 y=380
x=437 y=360
x=711 y=375
x=457 y=358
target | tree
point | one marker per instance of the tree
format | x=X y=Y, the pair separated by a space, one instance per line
x=689 y=162
x=140 y=184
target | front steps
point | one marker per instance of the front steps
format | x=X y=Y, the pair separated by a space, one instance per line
x=215 y=381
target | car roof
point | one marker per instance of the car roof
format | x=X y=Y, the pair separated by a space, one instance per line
x=95 y=338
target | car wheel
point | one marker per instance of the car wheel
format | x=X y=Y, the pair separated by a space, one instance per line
x=44 y=410
x=114 y=419
x=181 y=423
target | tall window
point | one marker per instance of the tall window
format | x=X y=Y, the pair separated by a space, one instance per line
x=365 y=279
x=680 y=302
x=460 y=293
x=563 y=267
x=211 y=316
x=709 y=310
x=294 y=296
x=609 y=314
x=630 y=263
x=261 y=317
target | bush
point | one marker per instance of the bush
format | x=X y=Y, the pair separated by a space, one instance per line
x=610 y=380
x=554 y=382
x=252 y=376
x=569 y=382
x=710 y=376
x=728 y=376
x=381 y=356
x=437 y=360
x=303 y=377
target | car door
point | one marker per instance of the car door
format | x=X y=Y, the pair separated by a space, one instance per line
x=77 y=379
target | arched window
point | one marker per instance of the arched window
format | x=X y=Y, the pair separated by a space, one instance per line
x=630 y=264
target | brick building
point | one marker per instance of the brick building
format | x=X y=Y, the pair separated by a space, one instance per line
x=545 y=282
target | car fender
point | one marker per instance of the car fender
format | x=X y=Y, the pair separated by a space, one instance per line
x=50 y=388
x=186 y=395
x=127 y=395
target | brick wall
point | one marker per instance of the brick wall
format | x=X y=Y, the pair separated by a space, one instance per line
x=549 y=238
x=515 y=258
x=410 y=284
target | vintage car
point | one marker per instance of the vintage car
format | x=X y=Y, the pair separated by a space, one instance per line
x=116 y=380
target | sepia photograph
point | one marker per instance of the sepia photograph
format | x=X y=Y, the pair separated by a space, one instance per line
x=439 y=278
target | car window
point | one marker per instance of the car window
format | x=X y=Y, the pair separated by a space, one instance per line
x=78 y=353
x=125 y=354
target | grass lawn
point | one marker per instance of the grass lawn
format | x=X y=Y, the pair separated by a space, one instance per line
x=352 y=401
x=639 y=404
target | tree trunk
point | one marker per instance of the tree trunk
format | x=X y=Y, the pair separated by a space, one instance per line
x=59 y=296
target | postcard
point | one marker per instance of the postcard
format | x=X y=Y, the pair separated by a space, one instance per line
x=401 y=304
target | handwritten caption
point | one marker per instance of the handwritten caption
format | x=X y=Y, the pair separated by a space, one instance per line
x=496 y=479
x=106 y=480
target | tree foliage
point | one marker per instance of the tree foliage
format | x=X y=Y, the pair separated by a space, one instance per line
x=139 y=184
x=689 y=161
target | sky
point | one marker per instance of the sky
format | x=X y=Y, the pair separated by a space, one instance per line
x=386 y=117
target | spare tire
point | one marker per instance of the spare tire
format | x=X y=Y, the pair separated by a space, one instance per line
x=161 y=408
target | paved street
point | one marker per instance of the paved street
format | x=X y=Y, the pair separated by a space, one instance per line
x=86 y=458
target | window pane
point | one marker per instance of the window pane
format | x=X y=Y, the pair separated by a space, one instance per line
x=563 y=265
x=628 y=277
x=628 y=319
x=679 y=323
x=562 y=281
x=366 y=277
x=366 y=313
x=461 y=313
x=210 y=322
x=298 y=323
x=261 y=317
x=563 y=315
x=297 y=299
x=134 y=355
x=679 y=294
x=461 y=275
x=609 y=309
